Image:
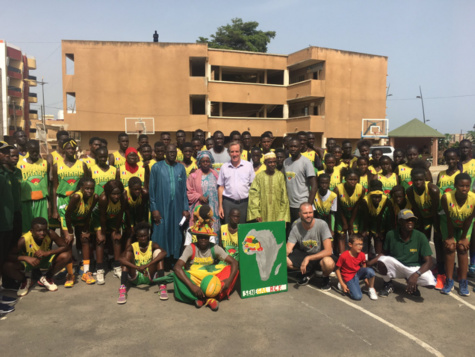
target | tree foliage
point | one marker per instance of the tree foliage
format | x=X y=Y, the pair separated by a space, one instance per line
x=242 y=36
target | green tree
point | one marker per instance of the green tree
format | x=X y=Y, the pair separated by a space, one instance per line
x=242 y=36
x=471 y=136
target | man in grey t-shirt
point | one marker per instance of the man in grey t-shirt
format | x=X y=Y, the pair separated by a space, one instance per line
x=314 y=247
x=299 y=176
x=219 y=152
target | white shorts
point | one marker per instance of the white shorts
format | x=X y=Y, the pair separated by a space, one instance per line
x=397 y=270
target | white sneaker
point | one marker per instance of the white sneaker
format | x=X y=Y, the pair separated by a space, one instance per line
x=339 y=287
x=100 y=277
x=372 y=294
x=24 y=288
x=118 y=272
x=48 y=284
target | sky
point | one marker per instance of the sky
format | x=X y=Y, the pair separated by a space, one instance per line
x=429 y=43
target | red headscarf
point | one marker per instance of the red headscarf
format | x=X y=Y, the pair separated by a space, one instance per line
x=131 y=168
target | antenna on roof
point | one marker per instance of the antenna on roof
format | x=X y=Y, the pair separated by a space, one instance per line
x=155 y=36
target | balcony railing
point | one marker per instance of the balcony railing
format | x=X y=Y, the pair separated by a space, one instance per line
x=14 y=69
x=15 y=89
x=33 y=95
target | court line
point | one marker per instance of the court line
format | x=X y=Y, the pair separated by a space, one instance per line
x=458 y=298
x=421 y=343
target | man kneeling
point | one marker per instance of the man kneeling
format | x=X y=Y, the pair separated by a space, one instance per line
x=33 y=251
x=141 y=263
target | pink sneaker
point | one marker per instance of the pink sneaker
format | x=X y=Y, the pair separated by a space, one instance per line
x=122 y=295
x=163 y=292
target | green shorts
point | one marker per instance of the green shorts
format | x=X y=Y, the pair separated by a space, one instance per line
x=33 y=209
x=457 y=231
x=140 y=279
x=373 y=224
x=45 y=264
x=339 y=224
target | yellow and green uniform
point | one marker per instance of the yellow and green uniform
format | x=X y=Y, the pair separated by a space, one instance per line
x=89 y=161
x=260 y=169
x=424 y=204
x=119 y=160
x=323 y=208
x=388 y=183
x=469 y=168
x=404 y=173
x=311 y=155
x=31 y=247
x=335 y=178
x=375 y=211
x=179 y=154
x=191 y=167
x=34 y=191
x=446 y=182
x=396 y=208
x=102 y=177
x=68 y=178
x=229 y=241
x=244 y=155
x=141 y=259
x=57 y=157
x=374 y=171
x=134 y=208
x=353 y=161
x=151 y=163
x=140 y=156
x=113 y=210
x=364 y=181
x=125 y=175
x=458 y=215
x=348 y=203
x=79 y=215
x=340 y=166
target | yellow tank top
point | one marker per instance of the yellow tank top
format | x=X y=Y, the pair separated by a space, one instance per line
x=191 y=167
x=374 y=211
x=458 y=214
x=405 y=175
x=423 y=202
x=102 y=177
x=179 y=154
x=89 y=161
x=353 y=161
x=34 y=183
x=131 y=201
x=469 y=168
x=139 y=155
x=323 y=208
x=83 y=208
x=113 y=209
x=364 y=181
x=57 y=158
x=125 y=175
x=388 y=183
x=31 y=247
x=335 y=178
x=140 y=257
x=374 y=171
x=119 y=160
x=68 y=177
x=309 y=155
x=151 y=163
x=348 y=202
x=397 y=209
x=243 y=154
x=446 y=182
x=229 y=241
x=260 y=169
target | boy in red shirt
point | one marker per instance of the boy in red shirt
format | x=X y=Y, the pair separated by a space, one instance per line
x=351 y=268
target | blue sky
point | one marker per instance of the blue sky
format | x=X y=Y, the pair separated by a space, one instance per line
x=428 y=43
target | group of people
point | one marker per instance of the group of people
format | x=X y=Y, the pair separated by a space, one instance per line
x=139 y=212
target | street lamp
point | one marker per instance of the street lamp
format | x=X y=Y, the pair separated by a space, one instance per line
x=422 y=101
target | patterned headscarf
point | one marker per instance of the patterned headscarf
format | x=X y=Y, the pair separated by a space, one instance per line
x=269 y=155
x=202 y=154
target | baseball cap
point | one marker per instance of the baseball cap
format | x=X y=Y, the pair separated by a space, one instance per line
x=406 y=214
x=4 y=145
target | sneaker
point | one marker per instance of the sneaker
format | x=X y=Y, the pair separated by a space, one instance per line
x=11 y=285
x=100 y=277
x=387 y=289
x=24 y=287
x=163 y=292
x=7 y=300
x=339 y=287
x=117 y=272
x=69 y=281
x=448 y=287
x=213 y=304
x=326 y=284
x=88 y=278
x=6 y=309
x=440 y=281
x=372 y=294
x=463 y=288
x=122 y=299
x=303 y=279
x=199 y=303
x=471 y=271
x=48 y=283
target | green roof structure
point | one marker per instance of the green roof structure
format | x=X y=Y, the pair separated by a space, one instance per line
x=415 y=129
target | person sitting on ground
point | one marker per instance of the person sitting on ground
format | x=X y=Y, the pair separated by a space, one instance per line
x=406 y=254
x=201 y=258
x=33 y=251
x=314 y=250
x=141 y=262
x=351 y=268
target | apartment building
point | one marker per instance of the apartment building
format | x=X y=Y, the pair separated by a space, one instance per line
x=16 y=82
x=189 y=86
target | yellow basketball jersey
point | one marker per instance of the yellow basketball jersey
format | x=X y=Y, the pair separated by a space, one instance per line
x=31 y=247
x=423 y=202
x=125 y=175
x=374 y=211
x=102 y=177
x=446 y=182
x=323 y=208
x=119 y=160
x=388 y=183
x=458 y=214
x=140 y=257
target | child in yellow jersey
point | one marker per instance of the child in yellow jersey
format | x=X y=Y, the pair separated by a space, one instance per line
x=117 y=158
x=387 y=177
x=107 y=222
x=94 y=144
x=446 y=178
x=456 y=226
x=77 y=219
x=375 y=212
x=325 y=203
x=146 y=156
x=331 y=171
x=229 y=234
x=362 y=166
x=34 y=251
x=132 y=169
x=375 y=165
x=257 y=160
x=188 y=160
x=137 y=203
x=141 y=263
x=337 y=153
x=102 y=172
x=404 y=170
x=350 y=194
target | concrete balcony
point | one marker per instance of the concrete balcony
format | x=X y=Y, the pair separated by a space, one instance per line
x=32 y=98
x=235 y=92
x=31 y=62
x=306 y=90
x=31 y=81
x=14 y=92
x=33 y=114
x=198 y=85
x=14 y=72
x=315 y=123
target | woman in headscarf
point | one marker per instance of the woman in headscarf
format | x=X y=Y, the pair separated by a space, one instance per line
x=202 y=187
x=133 y=168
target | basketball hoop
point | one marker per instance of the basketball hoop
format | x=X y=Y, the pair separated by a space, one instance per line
x=137 y=126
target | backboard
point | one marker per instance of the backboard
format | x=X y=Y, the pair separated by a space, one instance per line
x=137 y=126
x=375 y=128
